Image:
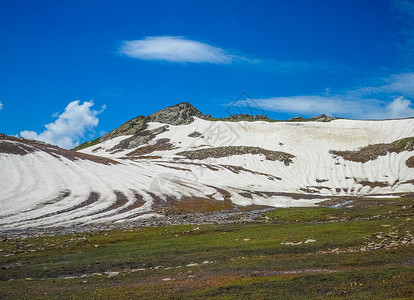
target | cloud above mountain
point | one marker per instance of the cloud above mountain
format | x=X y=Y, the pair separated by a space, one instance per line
x=388 y=99
x=334 y=105
x=176 y=49
x=69 y=127
x=181 y=50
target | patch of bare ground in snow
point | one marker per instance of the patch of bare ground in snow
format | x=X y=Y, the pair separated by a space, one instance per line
x=238 y=169
x=314 y=189
x=19 y=146
x=373 y=184
x=139 y=201
x=121 y=205
x=320 y=180
x=195 y=134
x=227 y=151
x=143 y=157
x=140 y=138
x=174 y=168
x=410 y=162
x=160 y=145
x=372 y=152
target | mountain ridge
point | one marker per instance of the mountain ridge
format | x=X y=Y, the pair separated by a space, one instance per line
x=184 y=113
x=146 y=165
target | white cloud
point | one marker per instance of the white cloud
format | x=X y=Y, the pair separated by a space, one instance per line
x=1 y=105
x=400 y=108
x=176 y=49
x=337 y=106
x=400 y=84
x=70 y=126
x=315 y=105
x=390 y=99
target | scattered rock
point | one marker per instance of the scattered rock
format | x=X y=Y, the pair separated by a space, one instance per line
x=192 y=265
x=113 y=274
x=291 y=243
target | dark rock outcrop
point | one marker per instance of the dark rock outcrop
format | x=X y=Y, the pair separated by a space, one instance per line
x=179 y=114
x=321 y=118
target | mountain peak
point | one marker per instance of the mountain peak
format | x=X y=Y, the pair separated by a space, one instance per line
x=178 y=114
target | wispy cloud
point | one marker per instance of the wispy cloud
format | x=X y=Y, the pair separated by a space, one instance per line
x=399 y=83
x=1 y=105
x=69 y=127
x=405 y=11
x=405 y=7
x=385 y=101
x=176 y=49
x=348 y=108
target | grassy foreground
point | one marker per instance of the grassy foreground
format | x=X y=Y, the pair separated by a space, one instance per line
x=361 y=252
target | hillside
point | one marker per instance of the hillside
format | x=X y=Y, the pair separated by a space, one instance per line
x=179 y=153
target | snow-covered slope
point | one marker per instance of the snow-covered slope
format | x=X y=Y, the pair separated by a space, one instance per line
x=126 y=177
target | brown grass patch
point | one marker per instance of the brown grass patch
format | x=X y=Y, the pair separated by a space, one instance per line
x=372 y=152
x=160 y=145
x=196 y=204
x=227 y=151
x=410 y=162
x=19 y=146
x=195 y=134
x=373 y=184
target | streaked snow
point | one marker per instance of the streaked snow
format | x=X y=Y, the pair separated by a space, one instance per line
x=31 y=186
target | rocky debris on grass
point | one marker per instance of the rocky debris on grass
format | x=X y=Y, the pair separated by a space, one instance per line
x=379 y=240
x=192 y=265
x=291 y=243
x=299 y=243
x=231 y=216
x=113 y=274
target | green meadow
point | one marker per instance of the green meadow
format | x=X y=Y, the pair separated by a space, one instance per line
x=361 y=252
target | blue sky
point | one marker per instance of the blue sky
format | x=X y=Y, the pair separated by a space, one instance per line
x=72 y=70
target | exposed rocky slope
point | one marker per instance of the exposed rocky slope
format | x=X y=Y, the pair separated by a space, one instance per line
x=179 y=153
x=179 y=114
